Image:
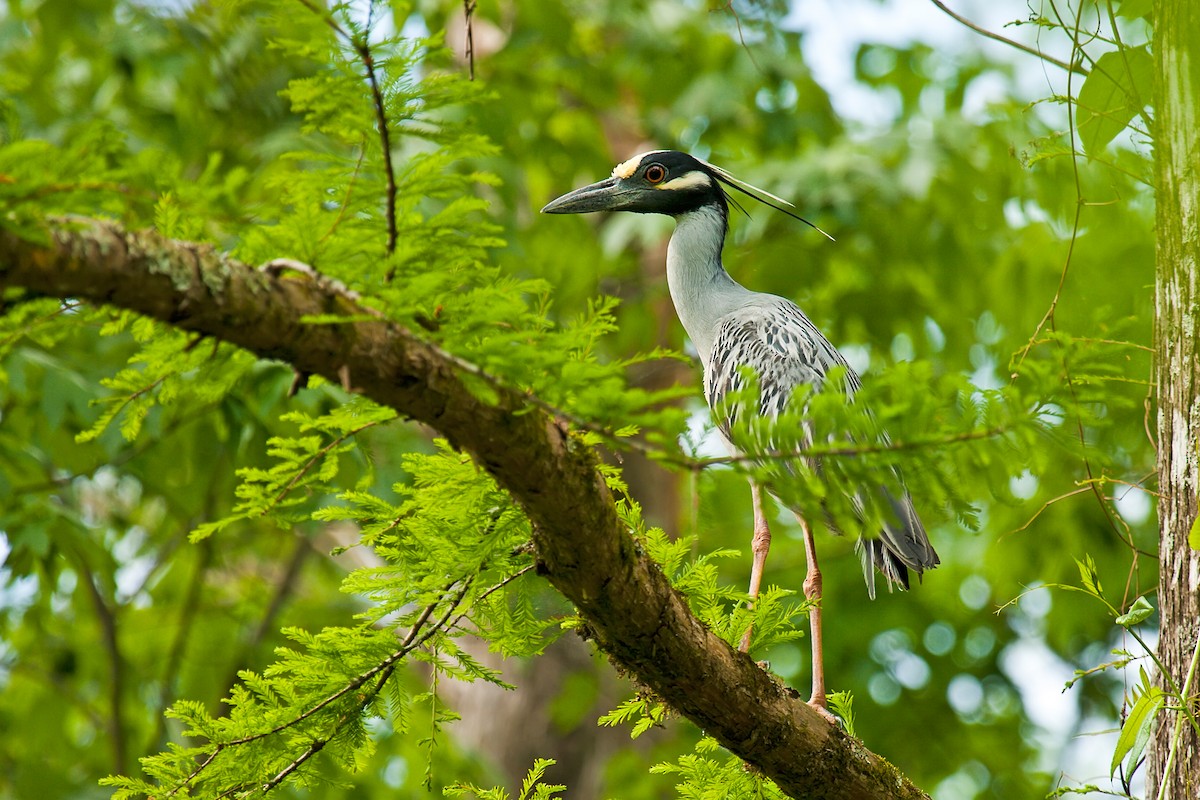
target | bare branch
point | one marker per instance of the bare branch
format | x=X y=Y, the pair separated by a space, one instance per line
x=469 y=22
x=385 y=143
x=363 y=48
x=183 y=628
x=282 y=592
x=106 y=615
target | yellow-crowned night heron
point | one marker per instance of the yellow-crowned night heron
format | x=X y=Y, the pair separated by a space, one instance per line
x=733 y=328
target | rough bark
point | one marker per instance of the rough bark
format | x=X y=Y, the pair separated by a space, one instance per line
x=633 y=614
x=1177 y=291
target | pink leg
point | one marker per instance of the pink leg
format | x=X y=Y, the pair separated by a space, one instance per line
x=760 y=545
x=812 y=590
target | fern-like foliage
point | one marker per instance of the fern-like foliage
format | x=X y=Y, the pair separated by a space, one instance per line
x=383 y=191
x=642 y=713
x=532 y=787
x=453 y=561
x=712 y=774
x=304 y=466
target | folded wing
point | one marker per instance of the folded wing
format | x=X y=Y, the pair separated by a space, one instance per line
x=774 y=339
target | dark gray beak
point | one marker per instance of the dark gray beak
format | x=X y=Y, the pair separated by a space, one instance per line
x=606 y=195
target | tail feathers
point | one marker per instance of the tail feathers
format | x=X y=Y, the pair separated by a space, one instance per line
x=875 y=557
x=902 y=545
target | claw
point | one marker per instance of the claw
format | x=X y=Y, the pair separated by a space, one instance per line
x=825 y=713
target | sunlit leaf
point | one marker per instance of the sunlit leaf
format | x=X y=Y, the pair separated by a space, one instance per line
x=1115 y=92
x=1135 y=733
x=1138 y=613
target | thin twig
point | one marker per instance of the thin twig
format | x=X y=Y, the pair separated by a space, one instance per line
x=469 y=20
x=38 y=192
x=362 y=154
x=62 y=308
x=282 y=591
x=1048 y=318
x=665 y=456
x=405 y=647
x=187 y=614
x=409 y=644
x=107 y=617
x=363 y=49
x=1139 y=103
x=1077 y=68
x=137 y=395
x=1045 y=506
x=1095 y=340
x=737 y=20
x=493 y=589
x=413 y=640
x=324 y=451
x=317 y=746
x=1079 y=205
x=385 y=140
x=326 y=17
x=844 y=451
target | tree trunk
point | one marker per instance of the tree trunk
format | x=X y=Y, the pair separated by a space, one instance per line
x=1177 y=156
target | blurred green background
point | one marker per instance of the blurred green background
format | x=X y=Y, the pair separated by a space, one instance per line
x=938 y=161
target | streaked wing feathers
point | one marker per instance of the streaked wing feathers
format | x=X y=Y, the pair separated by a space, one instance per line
x=774 y=338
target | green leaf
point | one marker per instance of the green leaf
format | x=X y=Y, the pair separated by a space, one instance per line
x=842 y=704
x=530 y=788
x=1135 y=733
x=1140 y=611
x=644 y=712
x=1112 y=95
x=1134 y=9
x=1088 y=576
x=1194 y=534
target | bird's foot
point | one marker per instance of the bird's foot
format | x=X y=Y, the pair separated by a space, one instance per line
x=818 y=705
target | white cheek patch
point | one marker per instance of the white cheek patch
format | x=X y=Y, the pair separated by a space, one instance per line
x=689 y=180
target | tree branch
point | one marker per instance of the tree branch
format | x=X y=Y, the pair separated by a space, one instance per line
x=583 y=549
x=106 y=615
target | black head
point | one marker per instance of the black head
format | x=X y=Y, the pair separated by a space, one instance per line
x=665 y=182
x=658 y=182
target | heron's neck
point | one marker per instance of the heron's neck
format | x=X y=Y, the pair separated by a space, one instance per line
x=700 y=287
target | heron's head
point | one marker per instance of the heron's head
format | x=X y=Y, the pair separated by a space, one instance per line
x=665 y=182
x=658 y=182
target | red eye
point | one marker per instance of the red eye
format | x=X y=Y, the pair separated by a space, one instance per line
x=655 y=173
